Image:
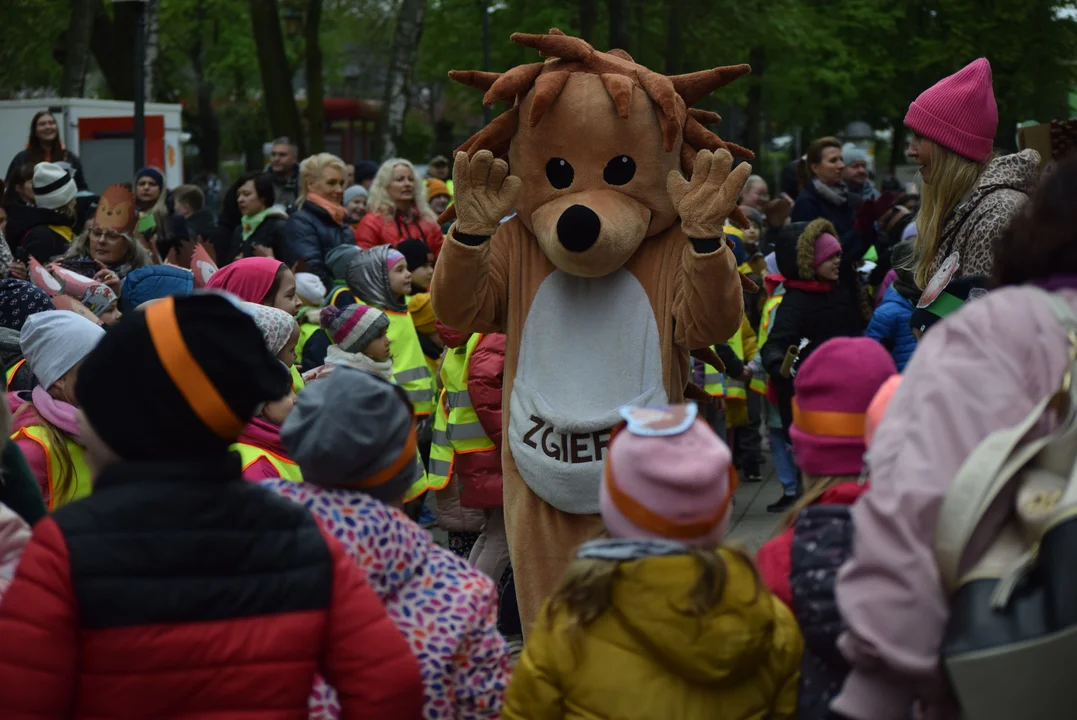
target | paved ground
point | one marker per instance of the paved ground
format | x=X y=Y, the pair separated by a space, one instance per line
x=752 y=524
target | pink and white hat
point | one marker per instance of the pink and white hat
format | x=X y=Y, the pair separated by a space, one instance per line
x=667 y=477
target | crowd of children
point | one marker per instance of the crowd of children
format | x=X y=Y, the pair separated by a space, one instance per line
x=216 y=478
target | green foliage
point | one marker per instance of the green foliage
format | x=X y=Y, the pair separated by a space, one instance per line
x=32 y=29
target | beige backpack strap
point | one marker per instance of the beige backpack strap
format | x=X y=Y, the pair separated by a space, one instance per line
x=990 y=468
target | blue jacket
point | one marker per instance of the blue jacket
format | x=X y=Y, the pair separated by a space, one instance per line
x=310 y=234
x=890 y=326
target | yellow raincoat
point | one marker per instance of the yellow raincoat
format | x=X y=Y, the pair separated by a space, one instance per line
x=645 y=658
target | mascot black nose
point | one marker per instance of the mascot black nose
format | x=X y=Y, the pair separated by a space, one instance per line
x=578 y=228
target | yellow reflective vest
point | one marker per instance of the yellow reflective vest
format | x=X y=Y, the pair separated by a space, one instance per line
x=410 y=370
x=83 y=479
x=770 y=309
x=10 y=374
x=736 y=388
x=306 y=330
x=441 y=454
x=250 y=454
x=297 y=379
x=457 y=429
x=713 y=381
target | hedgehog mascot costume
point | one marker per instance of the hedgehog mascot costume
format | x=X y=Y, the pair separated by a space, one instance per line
x=611 y=272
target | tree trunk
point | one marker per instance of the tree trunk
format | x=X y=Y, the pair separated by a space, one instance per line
x=153 y=14
x=279 y=98
x=588 y=18
x=78 y=48
x=674 y=36
x=409 y=31
x=112 y=47
x=315 y=85
x=753 y=129
x=209 y=128
x=620 y=34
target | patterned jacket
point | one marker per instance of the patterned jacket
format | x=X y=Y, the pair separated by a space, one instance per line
x=977 y=223
x=446 y=609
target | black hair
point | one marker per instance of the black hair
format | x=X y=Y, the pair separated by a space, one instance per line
x=275 y=287
x=263 y=186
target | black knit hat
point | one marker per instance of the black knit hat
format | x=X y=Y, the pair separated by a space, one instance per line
x=179 y=380
x=953 y=298
x=416 y=252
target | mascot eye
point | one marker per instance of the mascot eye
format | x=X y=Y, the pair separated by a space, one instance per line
x=559 y=173
x=620 y=170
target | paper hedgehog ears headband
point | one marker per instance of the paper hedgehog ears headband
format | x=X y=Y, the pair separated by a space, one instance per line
x=116 y=210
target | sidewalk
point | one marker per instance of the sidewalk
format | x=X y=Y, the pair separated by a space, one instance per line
x=752 y=525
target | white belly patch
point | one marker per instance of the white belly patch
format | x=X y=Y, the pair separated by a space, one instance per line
x=589 y=347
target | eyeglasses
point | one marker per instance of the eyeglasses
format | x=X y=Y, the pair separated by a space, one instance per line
x=111 y=235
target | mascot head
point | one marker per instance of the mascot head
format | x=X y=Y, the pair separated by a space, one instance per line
x=593 y=136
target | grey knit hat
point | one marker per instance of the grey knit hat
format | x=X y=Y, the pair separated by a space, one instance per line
x=354 y=430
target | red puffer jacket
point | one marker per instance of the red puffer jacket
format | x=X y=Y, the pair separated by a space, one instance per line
x=377 y=229
x=188 y=592
x=480 y=472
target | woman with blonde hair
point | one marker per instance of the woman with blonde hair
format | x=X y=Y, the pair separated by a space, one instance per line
x=968 y=198
x=317 y=226
x=397 y=210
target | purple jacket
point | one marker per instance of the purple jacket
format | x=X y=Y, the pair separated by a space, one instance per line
x=980 y=370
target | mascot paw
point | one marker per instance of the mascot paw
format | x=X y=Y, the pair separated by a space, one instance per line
x=705 y=201
x=484 y=193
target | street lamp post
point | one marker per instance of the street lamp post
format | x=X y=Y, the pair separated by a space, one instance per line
x=140 y=82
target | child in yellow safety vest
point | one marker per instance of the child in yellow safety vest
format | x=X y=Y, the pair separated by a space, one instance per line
x=360 y=341
x=310 y=291
x=45 y=425
x=259 y=446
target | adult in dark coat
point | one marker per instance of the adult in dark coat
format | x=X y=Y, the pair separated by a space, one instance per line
x=261 y=230
x=820 y=303
x=317 y=227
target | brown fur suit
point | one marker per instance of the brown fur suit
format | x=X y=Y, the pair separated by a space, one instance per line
x=594 y=281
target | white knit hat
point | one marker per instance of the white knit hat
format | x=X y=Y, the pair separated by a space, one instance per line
x=55 y=341
x=310 y=289
x=54 y=187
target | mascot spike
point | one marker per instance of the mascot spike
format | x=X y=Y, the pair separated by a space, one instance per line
x=497 y=134
x=474 y=78
x=560 y=46
x=695 y=86
x=619 y=53
x=514 y=82
x=704 y=117
x=547 y=88
x=620 y=89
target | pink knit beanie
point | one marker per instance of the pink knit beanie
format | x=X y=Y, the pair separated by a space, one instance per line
x=959 y=112
x=826 y=247
x=832 y=392
x=667 y=477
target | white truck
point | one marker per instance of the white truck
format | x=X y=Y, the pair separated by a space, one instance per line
x=101 y=133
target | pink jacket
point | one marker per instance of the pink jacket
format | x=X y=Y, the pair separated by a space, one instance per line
x=445 y=608
x=979 y=370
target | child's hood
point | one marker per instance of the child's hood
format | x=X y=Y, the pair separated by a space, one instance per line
x=729 y=643
x=368 y=278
